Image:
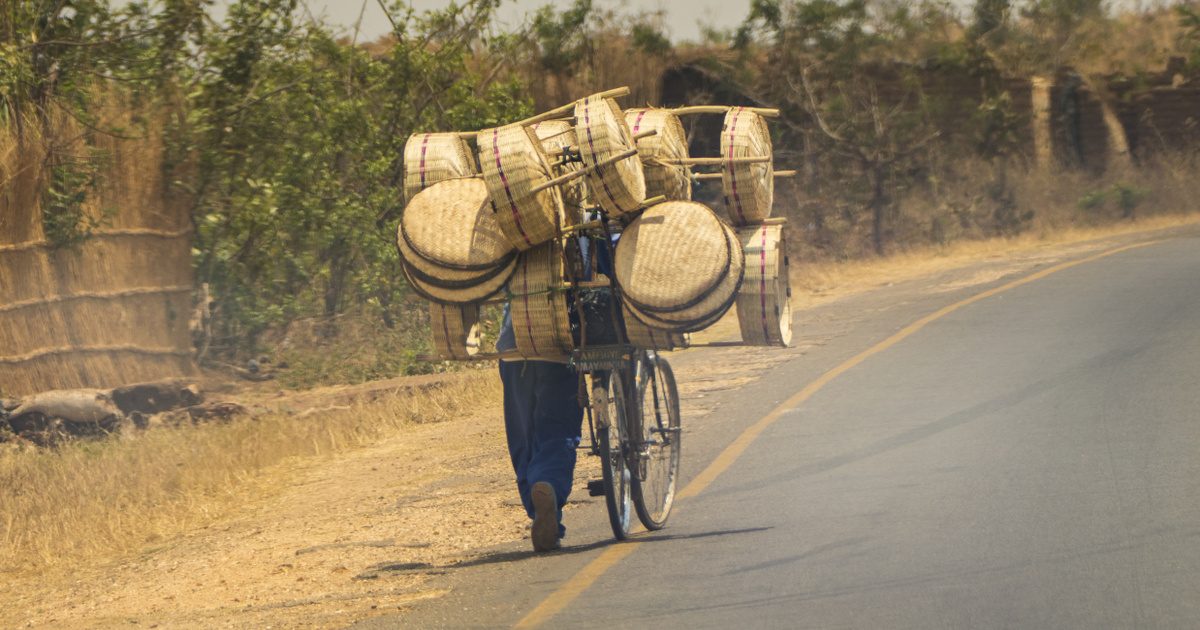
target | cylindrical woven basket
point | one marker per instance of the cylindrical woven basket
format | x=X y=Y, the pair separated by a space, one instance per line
x=672 y=181
x=460 y=295
x=455 y=330
x=749 y=188
x=764 y=306
x=643 y=336
x=538 y=304
x=556 y=135
x=679 y=266
x=433 y=157
x=602 y=133
x=513 y=164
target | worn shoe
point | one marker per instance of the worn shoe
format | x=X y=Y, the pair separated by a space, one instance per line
x=545 y=517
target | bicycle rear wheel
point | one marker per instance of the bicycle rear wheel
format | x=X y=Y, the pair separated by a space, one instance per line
x=657 y=461
x=611 y=409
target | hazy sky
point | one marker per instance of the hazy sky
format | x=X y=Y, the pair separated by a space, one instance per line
x=682 y=17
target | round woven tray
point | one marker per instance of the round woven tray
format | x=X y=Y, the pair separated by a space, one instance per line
x=513 y=165
x=433 y=157
x=444 y=277
x=749 y=188
x=643 y=336
x=455 y=330
x=764 y=302
x=670 y=144
x=602 y=134
x=672 y=256
x=538 y=304
x=556 y=135
x=460 y=295
x=714 y=303
x=451 y=226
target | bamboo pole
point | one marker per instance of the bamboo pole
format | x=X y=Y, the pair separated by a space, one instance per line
x=721 y=109
x=573 y=175
x=706 y=176
x=717 y=161
x=557 y=112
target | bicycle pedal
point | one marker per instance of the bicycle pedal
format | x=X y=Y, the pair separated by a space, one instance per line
x=596 y=488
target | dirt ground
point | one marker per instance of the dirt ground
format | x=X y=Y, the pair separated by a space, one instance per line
x=334 y=544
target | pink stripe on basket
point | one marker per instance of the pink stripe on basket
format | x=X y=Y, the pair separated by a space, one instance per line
x=512 y=204
x=762 y=266
x=637 y=124
x=424 y=147
x=587 y=123
x=737 y=199
x=528 y=318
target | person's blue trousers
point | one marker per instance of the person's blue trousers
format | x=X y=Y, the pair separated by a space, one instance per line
x=543 y=422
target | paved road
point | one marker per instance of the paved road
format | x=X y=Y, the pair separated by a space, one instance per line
x=1031 y=460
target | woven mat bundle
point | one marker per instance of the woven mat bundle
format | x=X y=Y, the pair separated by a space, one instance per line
x=602 y=133
x=749 y=188
x=455 y=330
x=672 y=181
x=450 y=244
x=541 y=322
x=764 y=302
x=556 y=135
x=433 y=157
x=513 y=164
x=679 y=266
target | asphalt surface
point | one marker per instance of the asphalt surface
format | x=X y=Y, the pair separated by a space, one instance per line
x=1031 y=460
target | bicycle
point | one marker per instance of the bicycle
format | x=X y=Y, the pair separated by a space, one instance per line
x=634 y=421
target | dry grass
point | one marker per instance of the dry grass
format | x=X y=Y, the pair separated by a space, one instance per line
x=92 y=501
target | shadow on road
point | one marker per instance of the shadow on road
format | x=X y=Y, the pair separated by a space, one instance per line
x=504 y=557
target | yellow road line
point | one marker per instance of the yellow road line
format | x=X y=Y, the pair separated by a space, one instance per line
x=588 y=575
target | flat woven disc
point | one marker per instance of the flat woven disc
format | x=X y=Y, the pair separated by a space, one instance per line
x=446 y=277
x=673 y=181
x=672 y=256
x=451 y=224
x=714 y=304
x=749 y=188
x=602 y=134
x=433 y=157
x=460 y=295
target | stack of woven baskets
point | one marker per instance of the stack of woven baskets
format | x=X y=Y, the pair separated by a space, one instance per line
x=496 y=220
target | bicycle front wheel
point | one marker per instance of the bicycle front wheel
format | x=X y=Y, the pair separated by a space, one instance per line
x=611 y=410
x=657 y=444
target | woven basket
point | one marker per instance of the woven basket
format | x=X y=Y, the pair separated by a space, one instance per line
x=602 y=134
x=463 y=294
x=455 y=330
x=433 y=157
x=538 y=303
x=556 y=135
x=764 y=302
x=513 y=165
x=670 y=143
x=643 y=336
x=679 y=266
x=450 y=225
x=749 y=188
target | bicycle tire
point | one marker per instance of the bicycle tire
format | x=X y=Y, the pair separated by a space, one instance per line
x=608 y=402
x=657 y=443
